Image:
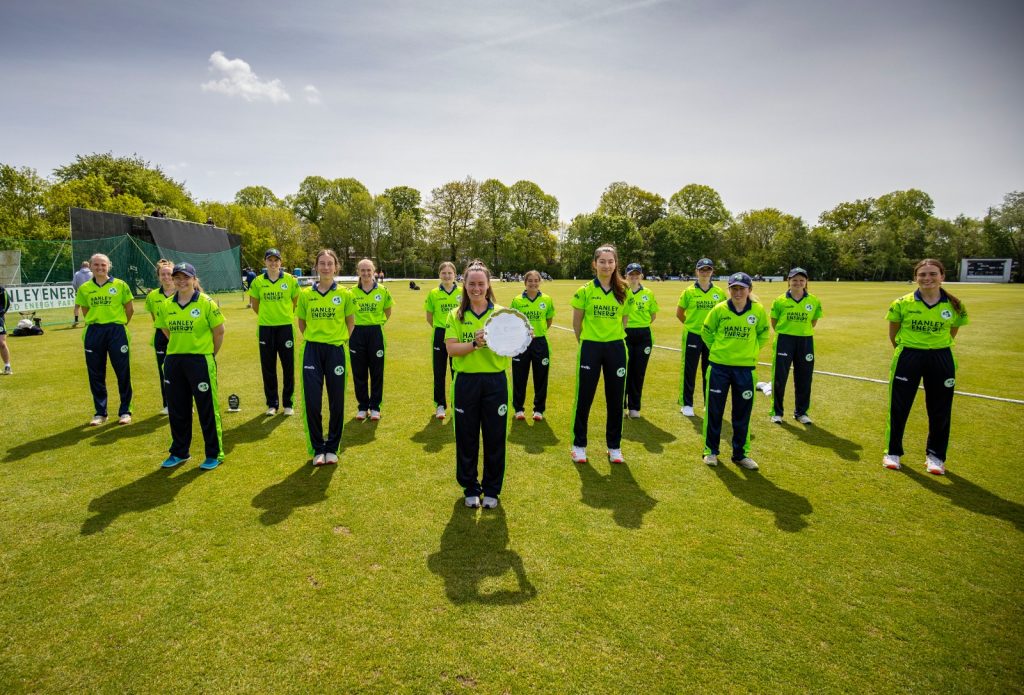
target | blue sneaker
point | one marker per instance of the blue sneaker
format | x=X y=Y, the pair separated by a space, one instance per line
x=209 y=464
x=172 y=461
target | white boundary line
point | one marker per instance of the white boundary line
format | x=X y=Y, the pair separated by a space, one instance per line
x=855 y=378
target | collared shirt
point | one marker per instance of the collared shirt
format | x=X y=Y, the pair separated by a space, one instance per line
x=370 y=305
x=794 y=317
x=602 y=313
x=106 y=302
x=275 y=297
x=644 y=304
x=440 y=302
x=481 y=359
x=325 y=314
x=734 y=338
x=926 y=327
x=190 y=326
x=538 y=310
x=697 y=303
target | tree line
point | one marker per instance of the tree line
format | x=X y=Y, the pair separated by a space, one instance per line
x=516 y=227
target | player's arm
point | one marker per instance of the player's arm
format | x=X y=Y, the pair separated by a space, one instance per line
x=218 y=338
x=129 y=311
x=577 y=322
x=953 y=330
x=775 y=321
x=681 y=314
x=302 y=327
x=254 y=303
x=894 y=328
x=387 y=313
x=654 y=316
x=350 y=321
x=430 y=319
x=459 y=349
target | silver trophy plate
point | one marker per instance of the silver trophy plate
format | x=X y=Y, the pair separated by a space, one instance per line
x=507 y=332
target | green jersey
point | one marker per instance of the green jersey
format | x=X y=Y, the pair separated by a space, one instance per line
x=481 y=359
x=794 y=317
x=190 y=326
x=154 y=299
x=370 y=305
x=538 y=310
x=697 y=303
x=644 y=304
x=734 y=338
x=926 y=327
x=440 y=303
x=276 y=298
x=602 y=314
x=106 y=302
x=325 y=314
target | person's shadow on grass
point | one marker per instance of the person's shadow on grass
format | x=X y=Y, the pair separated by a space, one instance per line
x=814 y=435
x=72 y=436
x=152 y=490
x=617 y=491
x=139 y=428
x=306 y=486
x=252 y=430
x=697 y=422
x=966 y=495
x=647 y=433
x=474 y=546
x=534 y=438
x=359 y=433
x=434 y=435
x=753 y=488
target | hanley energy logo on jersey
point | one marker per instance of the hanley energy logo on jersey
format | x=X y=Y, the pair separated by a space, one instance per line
x=747 y=395
x=288 y=343
x=621 y=371
x=203 y=386
x=751 y=320
x=502 y=409
x=124 y=349
x=380 y=353
x=195 y=313
x=339 y=370
x=950 y=383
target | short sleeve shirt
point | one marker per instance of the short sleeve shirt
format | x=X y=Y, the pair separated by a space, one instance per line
x=735 y=338
x=602 y=314
x=793 y=317
x=926 y=327
x=106 y=302
x=439 y=303
x=154 y=299
x=325 y=314
x=538 y=310
x=370 y=305
x=644 y=304
x=697 y=303
x=481 y=360
x=275 y=298
x=190 y=326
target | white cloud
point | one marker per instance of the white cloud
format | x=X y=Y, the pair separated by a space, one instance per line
x=239 y=80
x=312 y=94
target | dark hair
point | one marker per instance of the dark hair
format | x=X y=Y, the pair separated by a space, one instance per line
x=618 y=282
x=474 y=265
x=942 y=271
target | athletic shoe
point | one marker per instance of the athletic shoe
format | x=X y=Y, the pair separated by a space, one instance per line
x=891 y=461
x=777 y=419
x=764 y=387
x=125 y=419
x=634 y=414
x=615 y=456
x=490 y=502
x=687 y=410
x=271 y=411
x=375 y=415
x=97 y=420
x=579 y=454
x=537 y=416
x=361 y=415
x=439 y=413
x=319 y=460
x=172 y=461
x=164 y=411
x=289 y=411
x=934 y=466
x=711 y=460
x=520 y=415
x=804 y=420
x=473 y=501
x=748 y=463
x=7 y=370
x=209 y=464
x=330 y=458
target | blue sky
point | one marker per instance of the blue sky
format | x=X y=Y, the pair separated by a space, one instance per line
x=796 y=105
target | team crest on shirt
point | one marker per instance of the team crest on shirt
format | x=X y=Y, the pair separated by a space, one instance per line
x=339 y=370
x=809 y=307
x=502 y=409
x=747 y=395
x=946 y=314
x=543 y=305
x=203 y=386
x=336 y=300
x=751 y=320
x=376 y=297
x=950 y=383
x=645 y=299
x=112 y=290
x=284 y=285
x=621 y=371
x=195 y=313
x=715 y=297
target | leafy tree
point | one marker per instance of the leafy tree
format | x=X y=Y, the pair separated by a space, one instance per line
x=529 y=204
x=675 y=243
x=257 y=197
x=405 y=199
x=451 y=212
x=642 y=207
x=697 y=202
x=23 y=203
x=587 y=232
x=492 y=223
x=310 y=201
x=1005 y=226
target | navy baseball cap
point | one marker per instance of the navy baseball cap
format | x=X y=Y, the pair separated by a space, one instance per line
x=740 y=279
x=634 y=268
x=185 y=269
x=705 y=263
x=272 y=252
x=797 y=271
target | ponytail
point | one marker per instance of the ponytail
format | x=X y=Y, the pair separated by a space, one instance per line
x=474 y=266
x=955 y=301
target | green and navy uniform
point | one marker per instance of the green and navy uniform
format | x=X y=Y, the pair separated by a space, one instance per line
x=602 y=348
x=924 y=351
x=159 y=342
x=734 y=339
x=324 y=353
x=105 y=335
x=5 y=304
x=794 y=346
x=439 y=303
x=480 y=400
x=639 y=344
x=697 y=303
x=539 y=311
x=190 y=372
x=276 y=334
x=367 y=344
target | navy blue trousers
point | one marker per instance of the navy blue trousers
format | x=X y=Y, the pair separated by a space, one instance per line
x=323 y=364
x=480 y=402
x=278 y=342
x=719 y=381
x=103 y=340
x=367 y=349
x=796 y=351
x=537 y=356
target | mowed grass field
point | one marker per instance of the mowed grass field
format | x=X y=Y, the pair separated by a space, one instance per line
x=820 y=572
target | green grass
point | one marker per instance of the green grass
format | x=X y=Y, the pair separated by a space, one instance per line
x=821 y=572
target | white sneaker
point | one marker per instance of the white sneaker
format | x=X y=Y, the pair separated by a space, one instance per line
x=891 y=461
x=7 y=370
x=520 y=415
x=579 y=454
x=764 y=387
x=97 y=420
x=711 y=460
x=164 y=411
x=375 y=415
x=687 y=410
x=934 y=466
x=490 y=502
x=473 y=501
x=319 y=460
x=439 y=413
x=805 y=420
x=125 y=419
x=330 y=458
x=271 y=411
x=748 y=463
x=361 y=415
x=289 y=411
x=537 y=416
x=777 y=419
x=634 y=414
x=615 y=456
